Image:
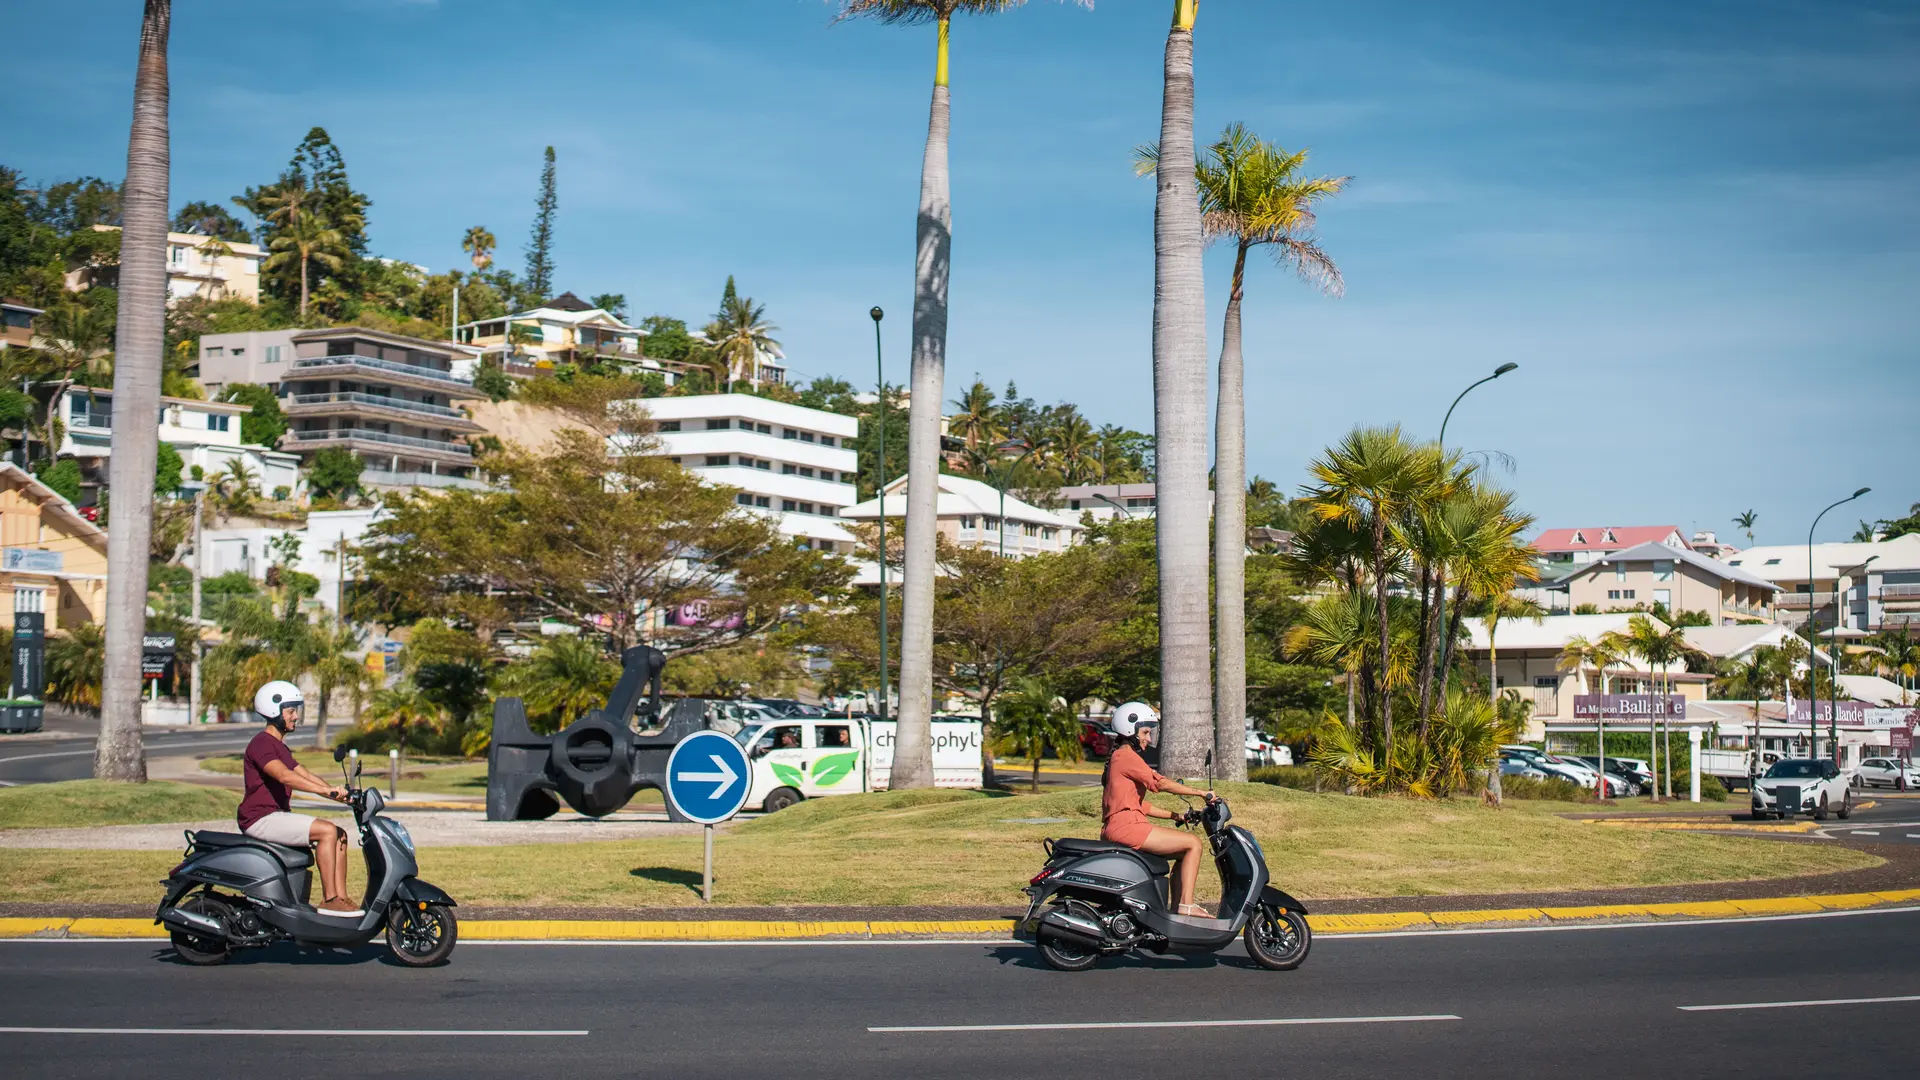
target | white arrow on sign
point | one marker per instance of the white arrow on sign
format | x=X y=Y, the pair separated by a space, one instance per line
x=721 y=780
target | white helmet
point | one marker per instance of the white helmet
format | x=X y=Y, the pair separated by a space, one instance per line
x=1128 y=718
x=274 y=697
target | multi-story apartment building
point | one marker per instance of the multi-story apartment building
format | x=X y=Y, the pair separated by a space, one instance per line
x=196 y=266
x=1107 y=501
x=253 y=356
x=1877 y=582
x=392 y=400
x=206 y=433
x=564 y=330
x=970 y=514
x=1677 y=578
x=787 y=460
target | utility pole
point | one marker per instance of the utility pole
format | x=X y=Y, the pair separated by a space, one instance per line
x=199 y=565
x=340 y=592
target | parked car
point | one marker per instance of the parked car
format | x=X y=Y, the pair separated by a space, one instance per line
x=1813 y=786
x=1262 y=751
x=1513 y=766
x=1875 y=772
x=1636 y=782
x=788 y=707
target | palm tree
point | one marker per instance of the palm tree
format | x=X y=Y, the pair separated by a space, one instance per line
x=306 y=239
x=1032 y=719
x=1336 y=630
x=563 y=679
x=1491 y=558
x=1074 y=449
x=1370 y=478
x=1745 y=521
x=975 y=420
x=336 y=667
x=741 y=336
x=213 y=249
x=1661 y=647
x=76 y=664
x=1754 y=676
x=1602 y=655
x=1250 y=193
x=1505 y=606
x=141 y=342
x=479 y=245
x=1180 y=416
x=913 y=747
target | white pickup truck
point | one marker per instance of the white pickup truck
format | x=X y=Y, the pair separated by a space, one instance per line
x=1733 y=767
x=1812 y=786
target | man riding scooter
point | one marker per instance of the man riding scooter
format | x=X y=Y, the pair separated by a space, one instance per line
x=271 y=772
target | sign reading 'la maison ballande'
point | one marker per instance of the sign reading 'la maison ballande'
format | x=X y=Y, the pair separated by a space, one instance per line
x=1629 y=706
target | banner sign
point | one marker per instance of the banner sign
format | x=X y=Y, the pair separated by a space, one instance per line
x=700 y=613
x=1851 y=712
x=1889 y=718
x=156 y=656
x=31 y=560
x=1629 y=706
x=1900 y=738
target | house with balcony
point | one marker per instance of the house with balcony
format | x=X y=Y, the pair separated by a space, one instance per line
x=261 y=357
x=1678 y=579
x=971 y=514
x=393 y=400
x=1584 y=545
x=197 y=265
x=1105 y=502
x=205 y=433
x=16 y=324
x=788 y=461
x=1876 y=583
x=564 y=330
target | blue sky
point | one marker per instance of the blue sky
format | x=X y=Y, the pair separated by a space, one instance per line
x=1694 y=223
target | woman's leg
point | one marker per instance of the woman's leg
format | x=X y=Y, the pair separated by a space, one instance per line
x=1183 y=847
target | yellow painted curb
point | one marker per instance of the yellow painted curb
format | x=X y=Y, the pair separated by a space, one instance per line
x=116 y=928
x=1705 y=826
x=32 y=927
x=1370 y=923
x=1455 y=918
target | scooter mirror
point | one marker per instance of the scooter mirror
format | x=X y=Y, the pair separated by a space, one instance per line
x=339 y=753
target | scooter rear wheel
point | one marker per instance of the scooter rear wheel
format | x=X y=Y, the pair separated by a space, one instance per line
x=421 y=935
x=194 y=949
x=1066 y=956
x=1278 y=940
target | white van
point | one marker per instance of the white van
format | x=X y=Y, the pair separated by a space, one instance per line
x=810 y=757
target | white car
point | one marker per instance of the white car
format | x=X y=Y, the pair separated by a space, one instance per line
x=1877 y=771
x=1814 y=786
x=1262 y=752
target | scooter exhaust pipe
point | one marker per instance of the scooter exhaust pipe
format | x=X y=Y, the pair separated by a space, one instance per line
x=1075 y=928
x=193 y=923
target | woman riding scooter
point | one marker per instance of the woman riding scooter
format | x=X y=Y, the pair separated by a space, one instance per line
x=1124 y=810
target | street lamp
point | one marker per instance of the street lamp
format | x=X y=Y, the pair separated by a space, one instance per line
x=1813 y=635
x=1444 y=642
x=880 y=488
x=1115 y=504
x=1007 y=474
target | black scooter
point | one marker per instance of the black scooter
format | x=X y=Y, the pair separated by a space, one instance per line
x=1098 y=898
x=267 y=888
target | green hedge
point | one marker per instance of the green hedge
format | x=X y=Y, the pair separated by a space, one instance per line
x=1287 y=776
x=1555 y=789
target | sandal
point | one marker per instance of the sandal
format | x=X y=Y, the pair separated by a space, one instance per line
x=1195 y=911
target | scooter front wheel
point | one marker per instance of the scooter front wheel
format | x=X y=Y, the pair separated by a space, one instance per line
x=421 y=935
x=1278 y=940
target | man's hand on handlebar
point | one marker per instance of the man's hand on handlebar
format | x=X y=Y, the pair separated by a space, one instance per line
x=337 y=794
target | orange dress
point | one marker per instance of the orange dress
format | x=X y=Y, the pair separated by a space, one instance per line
x=1127 y=782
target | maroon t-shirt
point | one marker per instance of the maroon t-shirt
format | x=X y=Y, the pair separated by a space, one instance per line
x=265 y=795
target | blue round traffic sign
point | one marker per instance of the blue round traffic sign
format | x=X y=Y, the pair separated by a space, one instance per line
x=708 y=777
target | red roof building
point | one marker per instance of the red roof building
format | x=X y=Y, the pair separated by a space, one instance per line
x=1584 y=545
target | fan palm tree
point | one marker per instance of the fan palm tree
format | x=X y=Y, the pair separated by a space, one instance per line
x=1250 y=193
x=1745 y=521
x=307 y=239
x=479 y=245
x=213 y=249
x=563 y=679
x=1368 y=480
x=741 y=337
x=1492 y=559
x=141 y=340
x=336 y=667
x=76 y=666
x=1336 y=630
x=1661 y=646
x=1505 y=606
x=913 y=747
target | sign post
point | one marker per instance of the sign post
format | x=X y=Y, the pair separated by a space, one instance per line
x=1693 y=759
x=707 y=782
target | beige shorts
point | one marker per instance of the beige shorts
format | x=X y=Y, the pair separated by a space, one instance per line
x=283 y=828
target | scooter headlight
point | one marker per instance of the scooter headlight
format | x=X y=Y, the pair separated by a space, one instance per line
x=400 y=834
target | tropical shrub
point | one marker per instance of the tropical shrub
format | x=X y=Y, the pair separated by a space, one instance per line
x=1298 y=777
x=1552 y=788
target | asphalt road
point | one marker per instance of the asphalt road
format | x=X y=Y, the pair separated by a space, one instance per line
x=1607 y=1001
x=1893 y=819
x=70 y=756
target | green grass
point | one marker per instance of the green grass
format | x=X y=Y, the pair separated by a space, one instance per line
x=957 y=848
x=79 y=803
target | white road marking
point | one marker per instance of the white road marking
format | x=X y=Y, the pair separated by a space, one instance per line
x=1799 y=1004
x=285 y=1032
x=36 y=757
x=1866 y=832
x=1103 y=1026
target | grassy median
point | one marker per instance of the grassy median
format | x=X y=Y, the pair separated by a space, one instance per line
x=941 y=847
x=78 y=803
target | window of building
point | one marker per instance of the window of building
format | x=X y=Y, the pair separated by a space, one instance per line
x=1613 y=594
x=828 y=474
x=177 y=255
x=1663 y=596
x=216 y=350
x=828 y=440
x=743 y=500
x=806 y=508
x=789 y=505
x=1607 y=538
x=1733 y=562
x=806 y=436
x=765 y=465
x=1626 y=594
x=1619 y=571
x=669 y=425
x=762 y=502
x=1546 y=695
x=1663 y=570
x=789 y=433
x=1046 y=534
x=676 y=461
x=993 y=524
x=1769 y=562
x=789 y=470
x=273 y=354
x=1073 y=504
x=1033 y=530
x=238 y=351
x=966 y=522
x=804 y=471
x=719 y=459
x=218 y=422
x=1578 y=538
x=719 y=425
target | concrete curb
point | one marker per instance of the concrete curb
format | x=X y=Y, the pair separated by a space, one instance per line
x=534 y=930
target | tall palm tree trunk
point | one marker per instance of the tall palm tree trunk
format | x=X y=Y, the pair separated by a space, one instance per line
x=141 y=338
x=1386 y=644
x=1180 y=417
x=913 y=742
x=1230 y=543
x=303 y=284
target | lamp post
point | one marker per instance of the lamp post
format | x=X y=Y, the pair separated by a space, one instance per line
x=1011 y=444
x=880 y=488
x=1813 y=634
x=1115 y=504
x=198 y=488
x=1444 y=642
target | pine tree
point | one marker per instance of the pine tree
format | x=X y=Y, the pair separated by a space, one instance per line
x=540 y=249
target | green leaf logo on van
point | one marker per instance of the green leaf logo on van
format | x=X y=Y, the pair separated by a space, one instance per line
x=786 y=774
x=830 y=769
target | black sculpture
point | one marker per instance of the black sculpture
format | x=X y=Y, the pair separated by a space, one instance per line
x=596 y=764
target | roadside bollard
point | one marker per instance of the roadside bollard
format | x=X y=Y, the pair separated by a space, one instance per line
x=393 y=773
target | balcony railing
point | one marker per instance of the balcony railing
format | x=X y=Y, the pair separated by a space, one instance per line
x=369 y=435
x=379 y=364
x=420 y=479
x=1799 y=600
x=1900 y=592
x=377 y=401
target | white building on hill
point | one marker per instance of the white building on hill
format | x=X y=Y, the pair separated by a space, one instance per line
x=787 y=460
x=969 y=514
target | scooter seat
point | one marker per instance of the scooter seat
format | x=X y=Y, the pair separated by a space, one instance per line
x=291 y=858
x=1156 y=864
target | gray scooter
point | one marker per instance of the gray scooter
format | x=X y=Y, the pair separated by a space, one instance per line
x=233 y=891
x=1098 y=898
